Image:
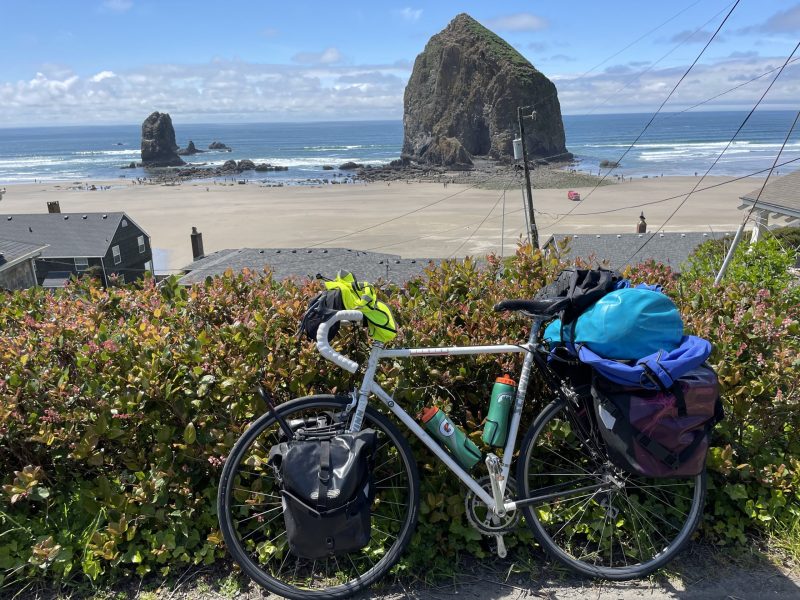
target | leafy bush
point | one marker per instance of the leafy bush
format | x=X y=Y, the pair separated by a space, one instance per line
x=119 y=406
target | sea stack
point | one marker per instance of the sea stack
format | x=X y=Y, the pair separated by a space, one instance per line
x=462 y=98
x=159 y=148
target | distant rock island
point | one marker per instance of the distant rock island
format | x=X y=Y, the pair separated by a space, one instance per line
x=189 y=150
x=218 y=146
x=159 y=148
x=461 y=101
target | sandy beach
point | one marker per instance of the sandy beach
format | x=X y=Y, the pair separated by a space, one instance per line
x=236 y=216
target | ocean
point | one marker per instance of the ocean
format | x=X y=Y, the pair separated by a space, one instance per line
x=675 y=144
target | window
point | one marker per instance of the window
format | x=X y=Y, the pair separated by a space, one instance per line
x=148 y=266
x=140 y=239
x=81 y=263
x=124 y=222
x=117 y=255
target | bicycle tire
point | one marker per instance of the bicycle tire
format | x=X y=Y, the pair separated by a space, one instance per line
x=628 y=517
x=388 y=433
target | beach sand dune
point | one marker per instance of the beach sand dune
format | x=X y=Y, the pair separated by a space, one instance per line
x=355 y=216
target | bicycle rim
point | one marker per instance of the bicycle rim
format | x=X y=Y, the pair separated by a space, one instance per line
x=251 y=515
x=628 y=528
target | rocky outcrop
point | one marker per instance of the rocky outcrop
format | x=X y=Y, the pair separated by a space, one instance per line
x=246 y=165
x=229 y=165
x=442 y=150
x=269 y=167
x=466 y=86
x=218 y=146
x=158 y=142
x=189 y=150
x=349 y=166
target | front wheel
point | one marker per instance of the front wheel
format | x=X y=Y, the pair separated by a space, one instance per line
x=251 y=515
x=595 y=518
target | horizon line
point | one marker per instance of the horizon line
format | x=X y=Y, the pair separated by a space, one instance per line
x=397 y=120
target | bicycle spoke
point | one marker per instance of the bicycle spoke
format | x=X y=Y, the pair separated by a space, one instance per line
x=631 y=525
x=254 y=496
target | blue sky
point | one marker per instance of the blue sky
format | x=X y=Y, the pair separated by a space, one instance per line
x=114 y=61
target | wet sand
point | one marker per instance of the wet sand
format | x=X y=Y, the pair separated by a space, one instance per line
x=355 y=215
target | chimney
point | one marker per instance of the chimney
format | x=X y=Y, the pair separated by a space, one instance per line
x=53 y=207
x=641 y=227
x=197 y=244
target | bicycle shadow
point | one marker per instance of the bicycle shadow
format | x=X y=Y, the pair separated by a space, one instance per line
x=699 y=573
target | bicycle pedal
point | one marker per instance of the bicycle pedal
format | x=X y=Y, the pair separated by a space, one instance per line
x=501 y=545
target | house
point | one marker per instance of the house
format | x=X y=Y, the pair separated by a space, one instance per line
x=17 y=269
x=306 y=262
x=618 y=250
x=781 y=198
x=108 y=243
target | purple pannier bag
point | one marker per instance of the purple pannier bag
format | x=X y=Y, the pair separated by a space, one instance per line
x=659 y=433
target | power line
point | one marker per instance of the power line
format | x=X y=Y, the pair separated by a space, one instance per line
x=411 y=212
x=725 y=149
x=785 y=141
x=474 y=231
x=653 y=65
x=647 y=126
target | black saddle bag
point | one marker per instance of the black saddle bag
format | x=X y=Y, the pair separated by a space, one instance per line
x=326 y=484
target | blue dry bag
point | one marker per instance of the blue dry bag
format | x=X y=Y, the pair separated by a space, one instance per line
x=625 y=324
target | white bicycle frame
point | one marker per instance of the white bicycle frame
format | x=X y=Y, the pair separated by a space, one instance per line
x=369 y=386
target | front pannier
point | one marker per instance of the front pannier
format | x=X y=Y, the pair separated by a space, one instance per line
x=659 y=433
x=325 y=478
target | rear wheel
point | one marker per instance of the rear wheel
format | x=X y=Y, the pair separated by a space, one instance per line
x=599 y=520
x=251 y=515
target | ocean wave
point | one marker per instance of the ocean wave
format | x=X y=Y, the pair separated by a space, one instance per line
x=128 y=152
x=745 y=144
x=312 y=163
x=333 y=148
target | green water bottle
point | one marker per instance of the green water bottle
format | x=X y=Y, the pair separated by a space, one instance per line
x=495 y=431
x=453 y=438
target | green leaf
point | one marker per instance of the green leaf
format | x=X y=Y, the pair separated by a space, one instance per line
x=190 y=434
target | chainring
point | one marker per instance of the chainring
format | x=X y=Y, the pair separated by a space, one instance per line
x=484 y=520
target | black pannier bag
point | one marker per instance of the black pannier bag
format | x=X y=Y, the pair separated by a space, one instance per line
x=326 y=486
x=659 y=433
x=321 y=308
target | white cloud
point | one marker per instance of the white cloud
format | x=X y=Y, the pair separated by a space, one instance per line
x=220 y=91
x=215 y=91
x=101 y=76
x=410 y=14
x=329 y=56
x=517 y=22
x=117 y=5
x=270 y=32
x=785 y=21
x=607 y=91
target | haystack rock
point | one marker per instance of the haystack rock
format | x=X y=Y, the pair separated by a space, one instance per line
x=462 y=99
x=158 y=142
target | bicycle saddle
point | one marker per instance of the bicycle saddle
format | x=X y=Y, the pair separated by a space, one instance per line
x=544 y=307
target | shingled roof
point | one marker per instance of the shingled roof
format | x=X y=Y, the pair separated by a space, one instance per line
x=616 y=250
x=781 y=196
x=13 y=252
x=65 y=234
x=306 y=262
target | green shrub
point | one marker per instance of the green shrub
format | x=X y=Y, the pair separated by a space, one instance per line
x=119 y=406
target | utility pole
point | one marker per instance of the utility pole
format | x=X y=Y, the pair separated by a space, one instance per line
x=531 y=218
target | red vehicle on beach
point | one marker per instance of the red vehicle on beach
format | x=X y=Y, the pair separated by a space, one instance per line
x=573 y=195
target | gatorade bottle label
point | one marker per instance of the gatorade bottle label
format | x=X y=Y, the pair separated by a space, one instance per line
x=446 y=429
x=504 y=398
